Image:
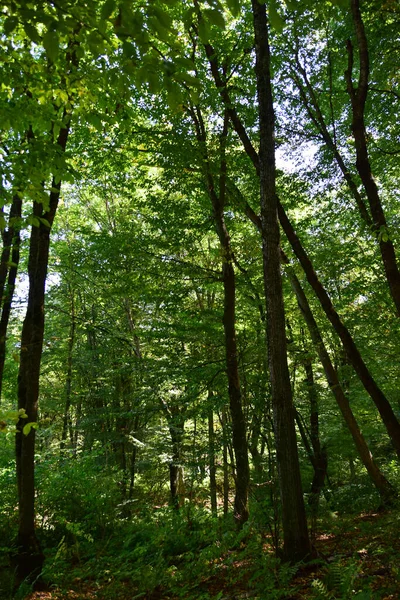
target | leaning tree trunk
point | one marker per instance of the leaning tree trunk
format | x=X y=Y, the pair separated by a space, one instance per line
x=353 y=354
x=320 y=462
x=385 y=410
x=385 y=489
x=295 y=533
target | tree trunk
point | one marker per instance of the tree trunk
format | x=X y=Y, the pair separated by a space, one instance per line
x=8 y=275
x=225 y=463
x=353 y=354
x=177 y=430
x=211 y=459
x=68 y=380
x=385 y=489
x=358 y=98
x=295 y=534
x=319 y=456
x=239 y=438
x=30 y=557
x=376 y=394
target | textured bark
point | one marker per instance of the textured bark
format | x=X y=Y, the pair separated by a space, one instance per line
x=382 y=484
x=358 y=97
x=239 y=438
x=295 y=534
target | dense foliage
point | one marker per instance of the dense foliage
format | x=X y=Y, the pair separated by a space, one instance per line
x=161 y=406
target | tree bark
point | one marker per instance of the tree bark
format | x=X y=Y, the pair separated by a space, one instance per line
x=225 y=462
x=295 y=535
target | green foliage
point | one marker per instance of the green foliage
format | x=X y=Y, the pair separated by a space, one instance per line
x=340 y=583
x=134 y=345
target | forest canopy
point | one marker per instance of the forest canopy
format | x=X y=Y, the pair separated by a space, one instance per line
x=199 y=298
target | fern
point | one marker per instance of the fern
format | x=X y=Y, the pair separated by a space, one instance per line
x=339 y=584
x=321 y=590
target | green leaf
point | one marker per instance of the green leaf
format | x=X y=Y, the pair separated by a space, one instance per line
x=33 y=220
x=95 y=43
x=234 y=7
x=277 y=22
x=129 y=49
x=162 y=16
x=341 y=3
x=204 y=31
x=174 y=96
x=2 y=222
x=186 y=63
x=107 y=9
x=27 y=428
x=51 y=45
x=32 y=33
x=215 y=17
x=188 y=18
x=9 y=25
x=95 y=121
x=188 y=79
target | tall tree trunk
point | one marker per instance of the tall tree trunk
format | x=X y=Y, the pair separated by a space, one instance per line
x=225 y=462
x=295 y=535
x=68 y=380
x=358 y=97
x=176 y=426
x=370 y=385
x=239 y=439
x=8 y=275
x=134 y=454
x=176 y=471
x=385 y=489
x=30 y=557
x=211 y=458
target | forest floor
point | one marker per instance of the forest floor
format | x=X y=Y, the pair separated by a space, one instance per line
x=358 y=558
